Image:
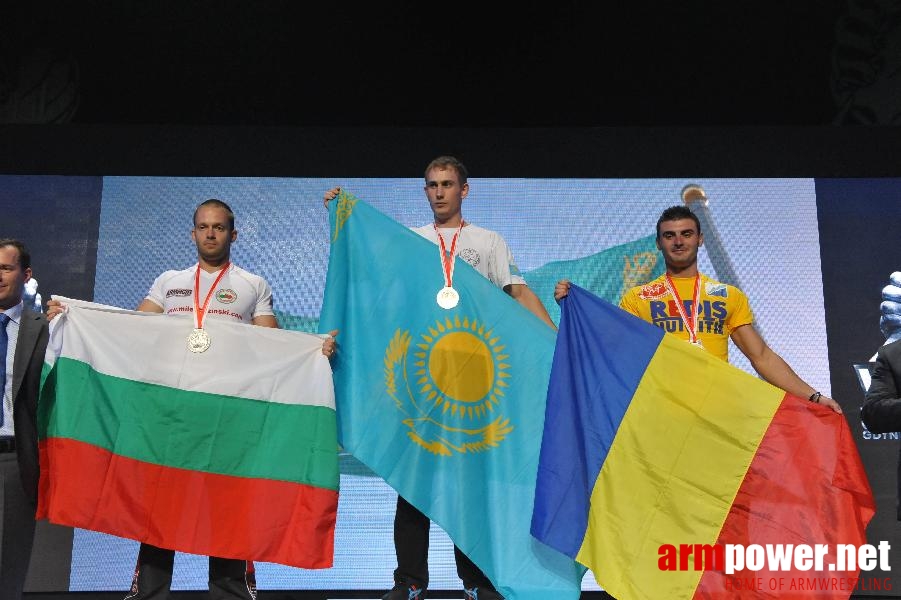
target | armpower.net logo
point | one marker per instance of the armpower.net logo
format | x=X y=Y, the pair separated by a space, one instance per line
x=744 y=562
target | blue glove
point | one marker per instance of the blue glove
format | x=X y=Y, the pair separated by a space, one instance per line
x=890 y=320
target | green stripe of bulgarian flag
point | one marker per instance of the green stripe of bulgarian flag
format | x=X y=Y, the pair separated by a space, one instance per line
x=195 y=431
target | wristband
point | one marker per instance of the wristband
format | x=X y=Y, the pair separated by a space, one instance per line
x=815 y=397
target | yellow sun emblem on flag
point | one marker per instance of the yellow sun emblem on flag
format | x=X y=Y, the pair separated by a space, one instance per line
x=454 y=379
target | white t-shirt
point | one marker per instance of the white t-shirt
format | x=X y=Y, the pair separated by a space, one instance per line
x=484 y=250
x=239 y=296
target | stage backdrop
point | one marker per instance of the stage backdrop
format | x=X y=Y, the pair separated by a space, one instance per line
x=106 y=239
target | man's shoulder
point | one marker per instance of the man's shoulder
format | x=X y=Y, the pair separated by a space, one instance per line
x=471 y=232
x=490 y=236
x=166 y=275
x=891 y=352
x=245 y=274
x=479 y=229
x=34 y=326
x=33 y=315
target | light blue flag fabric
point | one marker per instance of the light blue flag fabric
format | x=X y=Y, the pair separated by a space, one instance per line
x=446 y=405
x=607 y=274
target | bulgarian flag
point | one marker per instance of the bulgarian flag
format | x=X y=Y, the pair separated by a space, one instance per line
x=231 y=452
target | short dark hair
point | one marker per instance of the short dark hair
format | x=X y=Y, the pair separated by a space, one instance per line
x=220 y=204
x=444 y=162
x=677 y=213
x=24 y=254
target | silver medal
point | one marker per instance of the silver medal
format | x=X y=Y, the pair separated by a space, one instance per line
x=448 y=298
x=199 y=341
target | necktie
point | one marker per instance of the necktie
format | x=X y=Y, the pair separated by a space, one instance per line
x=4 y=340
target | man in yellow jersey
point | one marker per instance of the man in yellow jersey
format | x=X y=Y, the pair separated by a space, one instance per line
x=701 y=310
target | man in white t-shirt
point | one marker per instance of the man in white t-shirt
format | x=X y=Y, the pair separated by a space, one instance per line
x=217 y=289
x=446 y=186
x=220 y=290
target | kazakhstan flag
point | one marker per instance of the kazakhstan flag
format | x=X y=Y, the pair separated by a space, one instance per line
x=607 y=274
x=446 y=405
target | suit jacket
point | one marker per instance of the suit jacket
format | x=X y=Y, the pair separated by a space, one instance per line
x=881 y=413
x=27 y=365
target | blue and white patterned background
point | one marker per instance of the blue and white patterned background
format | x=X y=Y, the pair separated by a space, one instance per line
x=768 y=226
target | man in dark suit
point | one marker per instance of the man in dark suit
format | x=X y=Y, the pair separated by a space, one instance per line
x=881 y=413
x=23 y=340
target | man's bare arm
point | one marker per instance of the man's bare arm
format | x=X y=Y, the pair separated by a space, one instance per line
x=525 y=296
x=265 y=321
x=773 y=368
x=148 y=305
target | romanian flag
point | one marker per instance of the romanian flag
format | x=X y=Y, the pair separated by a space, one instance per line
x=446 y=405
x=231 y=452
x=651 y=444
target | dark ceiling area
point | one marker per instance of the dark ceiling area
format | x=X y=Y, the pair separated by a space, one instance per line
x=279 y=63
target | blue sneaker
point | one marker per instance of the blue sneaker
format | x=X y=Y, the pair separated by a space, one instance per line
x=403 y=591
x=481 y=594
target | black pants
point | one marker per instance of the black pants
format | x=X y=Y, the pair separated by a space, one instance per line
x=230 y=579
x=16 y=528
x=411 y=543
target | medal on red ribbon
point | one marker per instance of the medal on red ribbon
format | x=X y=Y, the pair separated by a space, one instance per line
x=448 y=297
x=199 y=340
x=690 y=322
